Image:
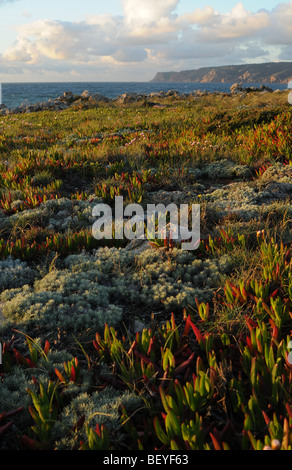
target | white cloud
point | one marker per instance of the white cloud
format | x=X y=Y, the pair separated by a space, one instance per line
x=280 y=28
x=148 y=11
x=238 y=23
x=199 y=16
x=151 y=36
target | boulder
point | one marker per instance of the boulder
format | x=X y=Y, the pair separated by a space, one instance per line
x=171 y=93
x=95 y=97
x=69 y=97
x=262 y=88
x=126 y=98
x=158 y=94
x=238 y=88
x=85 y=94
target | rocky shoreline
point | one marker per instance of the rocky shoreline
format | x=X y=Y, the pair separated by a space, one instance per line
x=69 y=99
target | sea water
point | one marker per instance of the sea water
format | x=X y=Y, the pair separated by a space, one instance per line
x=15 y=94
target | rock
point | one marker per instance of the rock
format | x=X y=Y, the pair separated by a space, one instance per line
x=266 y=88
x=236 y=87
x=69 y=97
x=126 y=98
x=85 y=94
x=30 y=108
x=200 y=93
x=262 y=88
x=92 y=97
x=95 y=97
x=173 y=93
x=158 y=94
x=16 y=110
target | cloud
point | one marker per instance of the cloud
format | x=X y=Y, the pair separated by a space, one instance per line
x=151 y=36
x=148 y=11
x=62 y=41
x=280 y=27
x=238 y=23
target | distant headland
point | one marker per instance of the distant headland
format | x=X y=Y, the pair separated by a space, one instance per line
x=271 y=72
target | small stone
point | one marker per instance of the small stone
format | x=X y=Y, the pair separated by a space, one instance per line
x=276 y=444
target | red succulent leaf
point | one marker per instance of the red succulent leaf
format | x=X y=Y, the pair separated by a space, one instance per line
x=5 y=428
x=289 y=410
x=197 y=332
x=182 y=367
x=47 y=347
x=216 y=444
x=60 y=376
x=73 y=374
x=266 y=418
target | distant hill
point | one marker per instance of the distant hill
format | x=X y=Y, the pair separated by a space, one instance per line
x=271 y=72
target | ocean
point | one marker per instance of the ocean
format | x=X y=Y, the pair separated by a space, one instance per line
x=15 y=94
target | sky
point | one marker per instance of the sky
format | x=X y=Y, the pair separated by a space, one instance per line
x=132 y=40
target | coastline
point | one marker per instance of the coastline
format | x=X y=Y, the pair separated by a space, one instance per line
x=69 y=98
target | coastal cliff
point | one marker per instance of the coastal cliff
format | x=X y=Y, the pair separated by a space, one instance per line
x=272 y=72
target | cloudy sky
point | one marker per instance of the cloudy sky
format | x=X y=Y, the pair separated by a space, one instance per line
x=131 y=40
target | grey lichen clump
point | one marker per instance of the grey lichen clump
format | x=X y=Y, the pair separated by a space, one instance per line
x=155 y=278
x=250 y=200
x=221 y=169
x=93 y=289
x=58 y=214
x=279 y=173
x=238 y=198
x=69 y=300
x=224 y=169
x=15 y=273
x=175 y=284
